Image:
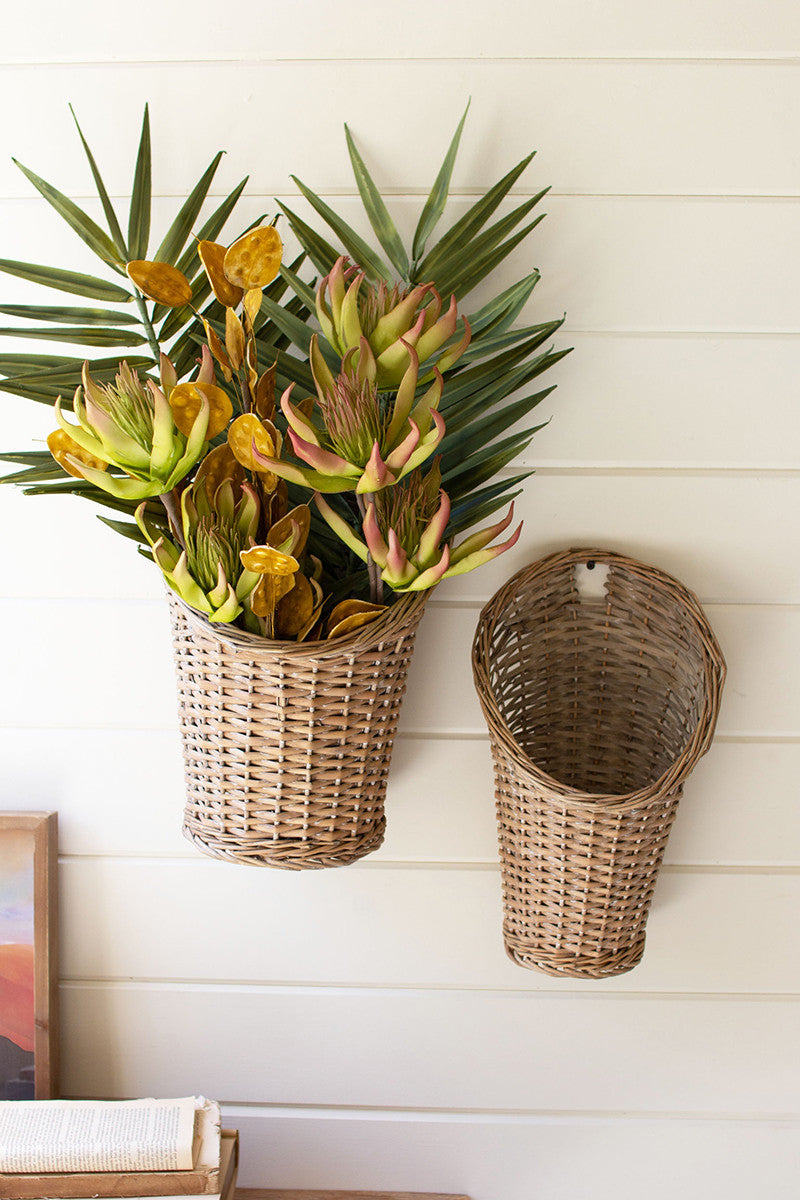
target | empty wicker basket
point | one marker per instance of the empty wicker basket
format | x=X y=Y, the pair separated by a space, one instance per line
x=287 y=746
x=599 y=702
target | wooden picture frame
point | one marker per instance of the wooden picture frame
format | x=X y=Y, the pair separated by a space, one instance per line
x=28 y=956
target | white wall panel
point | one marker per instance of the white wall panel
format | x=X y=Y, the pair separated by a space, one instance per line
x=435 y=1050
x=109 y=666
x=737 y=807
x=425 y=927
x=365 y=29
x=597 y=127
x=726 y=537
x=609 y=263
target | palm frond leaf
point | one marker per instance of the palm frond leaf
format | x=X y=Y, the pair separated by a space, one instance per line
x=139 y=216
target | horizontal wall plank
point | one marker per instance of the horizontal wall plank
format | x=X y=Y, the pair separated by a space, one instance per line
x=307 y=29
x=433 y=1051
x=736 y=810
x=727 y=537
x=110 y=666
x=626 y=401
x=608 y=262
x=395 y=927
x=610 y=127
x=509 y=1155
x=672 y=401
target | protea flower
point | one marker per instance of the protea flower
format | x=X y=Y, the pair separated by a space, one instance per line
x=390 y=319
x=403 y=532
x=131 y=425
x=367 y=441
x=207 y=571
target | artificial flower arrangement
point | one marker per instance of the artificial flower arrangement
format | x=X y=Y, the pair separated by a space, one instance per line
x=291 y=454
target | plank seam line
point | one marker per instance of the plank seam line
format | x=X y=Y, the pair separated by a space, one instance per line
x=402 y=864
x=766 y=59
x=126 y=983
x=444 y=735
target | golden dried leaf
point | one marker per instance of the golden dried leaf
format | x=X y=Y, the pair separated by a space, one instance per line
x=245 y=430
x=60 y=444
x=295 y=525
x=266 y=560
x=354 y=621
x=254 y=260
x=220 y=466
x=212 y=256
x=306 y=407
x=295 y=609
x=218 y=350
x=266 y=595
x=234 y=338
x=265 y=393
x=185 y=401
x=160 y=282
x=349 y=608
x=252 y=303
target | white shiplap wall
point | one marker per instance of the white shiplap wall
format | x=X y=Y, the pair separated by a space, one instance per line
x=363 y=1027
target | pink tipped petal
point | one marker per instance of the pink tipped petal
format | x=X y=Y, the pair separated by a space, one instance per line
x=433 y=533
x=337 y=288
x=422 y=413
x=349 y=326
x=322 y=460
x=376 y=475
x=296 y=421
x=169 y=376
x=399 y=457
x=367 y=369
x=427 y=445
x=323 y=376
x=428 y=579
x=476 y=541
x=453 y=354
x=441 y=332
x=206 y=372
x=372 y=535
x=479 y=557
x=432 y=310
x=398 y=321
x=398 y=571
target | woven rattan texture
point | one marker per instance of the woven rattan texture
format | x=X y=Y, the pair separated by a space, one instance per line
x=598 y=708
x=287 y=747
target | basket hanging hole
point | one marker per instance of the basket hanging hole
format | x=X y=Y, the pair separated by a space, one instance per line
x=591 y=579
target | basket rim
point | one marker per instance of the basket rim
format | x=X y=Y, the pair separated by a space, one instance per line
x=696 y=746
x=404 y=613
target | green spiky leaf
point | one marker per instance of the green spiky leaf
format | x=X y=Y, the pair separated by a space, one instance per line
x=435 y=204
x=86 y=229
x=376 y=210
x=139 y=218
x=66 y=281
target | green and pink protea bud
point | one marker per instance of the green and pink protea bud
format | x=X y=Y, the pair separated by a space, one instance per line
x=365 y=441
x=132 y=426
x=351 y=311
x=207 y=571
x=403 y=534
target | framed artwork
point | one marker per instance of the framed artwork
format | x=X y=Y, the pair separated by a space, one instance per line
x=28 y=958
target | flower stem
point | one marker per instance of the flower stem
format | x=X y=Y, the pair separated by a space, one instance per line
x=148 y=329
x=171 y=502
x=375 y=581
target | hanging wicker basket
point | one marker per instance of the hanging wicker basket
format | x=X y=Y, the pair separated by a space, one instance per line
x=287 y=746
x=600 y=681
